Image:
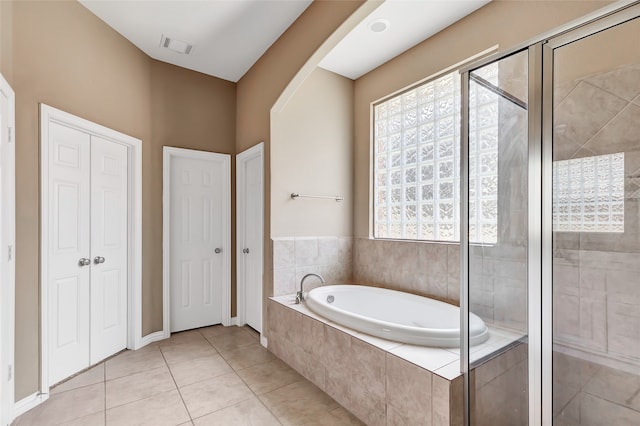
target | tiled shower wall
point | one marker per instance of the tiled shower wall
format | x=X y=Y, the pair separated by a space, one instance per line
x=331 y=257
x=596 y=287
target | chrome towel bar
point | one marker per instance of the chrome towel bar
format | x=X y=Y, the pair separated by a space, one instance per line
x=336 y=198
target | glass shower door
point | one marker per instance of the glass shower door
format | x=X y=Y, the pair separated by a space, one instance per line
x=596 y=228
x=495 y=248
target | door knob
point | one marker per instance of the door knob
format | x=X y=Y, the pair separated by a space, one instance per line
x=84 y=261
x=218 y=250
x=98 y=259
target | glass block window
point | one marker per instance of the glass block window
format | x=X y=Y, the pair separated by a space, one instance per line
x=416 y=164
x=483 y=158
x=588 y=194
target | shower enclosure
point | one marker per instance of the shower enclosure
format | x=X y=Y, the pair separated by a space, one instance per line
x=552 y=263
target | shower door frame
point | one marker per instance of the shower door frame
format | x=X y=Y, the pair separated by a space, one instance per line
x=540 y=229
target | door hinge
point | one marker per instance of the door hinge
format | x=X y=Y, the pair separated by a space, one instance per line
x=10 y=256
x=10 y=134
x=10 y=373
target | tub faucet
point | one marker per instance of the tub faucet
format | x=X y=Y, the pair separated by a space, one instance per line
x=300 y=295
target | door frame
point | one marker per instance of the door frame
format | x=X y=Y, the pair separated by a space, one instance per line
x=241 y=160
x=168 y=153
x=135 y=339
x=7 y=300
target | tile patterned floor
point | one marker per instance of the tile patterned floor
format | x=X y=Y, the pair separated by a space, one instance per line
x=210 y=376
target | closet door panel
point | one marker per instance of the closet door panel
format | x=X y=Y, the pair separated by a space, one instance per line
x=109 y=250
x=68 y=280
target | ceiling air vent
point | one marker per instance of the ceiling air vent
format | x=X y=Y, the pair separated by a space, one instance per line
x=178 y=46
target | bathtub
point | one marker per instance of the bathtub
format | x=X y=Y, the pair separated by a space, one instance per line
x=394 y=315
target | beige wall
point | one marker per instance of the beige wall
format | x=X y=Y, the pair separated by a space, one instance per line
x=260 y=88
x=195 y=111
x=505 y=23
x=312 y=153
x=66 y=57
x=6 y=40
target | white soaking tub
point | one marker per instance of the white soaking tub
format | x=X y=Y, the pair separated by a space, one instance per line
x=394 y=315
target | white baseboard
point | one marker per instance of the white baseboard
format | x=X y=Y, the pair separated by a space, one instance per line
x=233 y=321
x=153 y=337
x=263 y=341
x=29 y=402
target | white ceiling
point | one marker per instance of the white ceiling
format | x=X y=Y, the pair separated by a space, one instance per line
x=228 y=36
x=411 y=21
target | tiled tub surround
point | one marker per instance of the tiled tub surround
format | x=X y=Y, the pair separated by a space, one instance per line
x=380 y=381
x=331 y=257
x=424 y=268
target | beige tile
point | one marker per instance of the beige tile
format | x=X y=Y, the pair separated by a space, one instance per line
x=336 y=385
x=306 y=251
x=231 y=341
x=312 y=335
x=293 y=326
x=396 y=417
x=284 y=255
x=337 y=347
x=622 y=82
x=96 y=419
x=90 y=377
x=575 y=114
x=248 y=356
x=433 y=259
x=266 y=377
x=599 y=411
x=130 y=362
x=336 y=417
x=250 y=412
x=214 y=394
x=188 y=351
x=199 y=369
x=218 y=330
x=298 y=403
x=453 y=273
x=501 y=401
x=66 y=406
x=162 y=409
x=138 y=386
x=367 y=406
x=274 y=317
x=616 y=386
x=409 y=388
x=425 y=357
x=441 y=400
x=368 y=370
x=284 y=281
x=181 y=338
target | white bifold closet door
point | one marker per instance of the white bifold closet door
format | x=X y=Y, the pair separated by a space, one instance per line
x=88 y=259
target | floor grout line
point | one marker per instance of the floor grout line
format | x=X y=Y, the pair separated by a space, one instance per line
x=177 y=387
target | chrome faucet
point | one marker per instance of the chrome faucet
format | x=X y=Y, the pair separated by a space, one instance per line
x=300 y=295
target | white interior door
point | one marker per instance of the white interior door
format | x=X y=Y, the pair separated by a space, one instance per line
x=199 y=228
x=7 y=249
x=250 y=185
x=109 y=251
x=69 y=250
x=88 y=256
